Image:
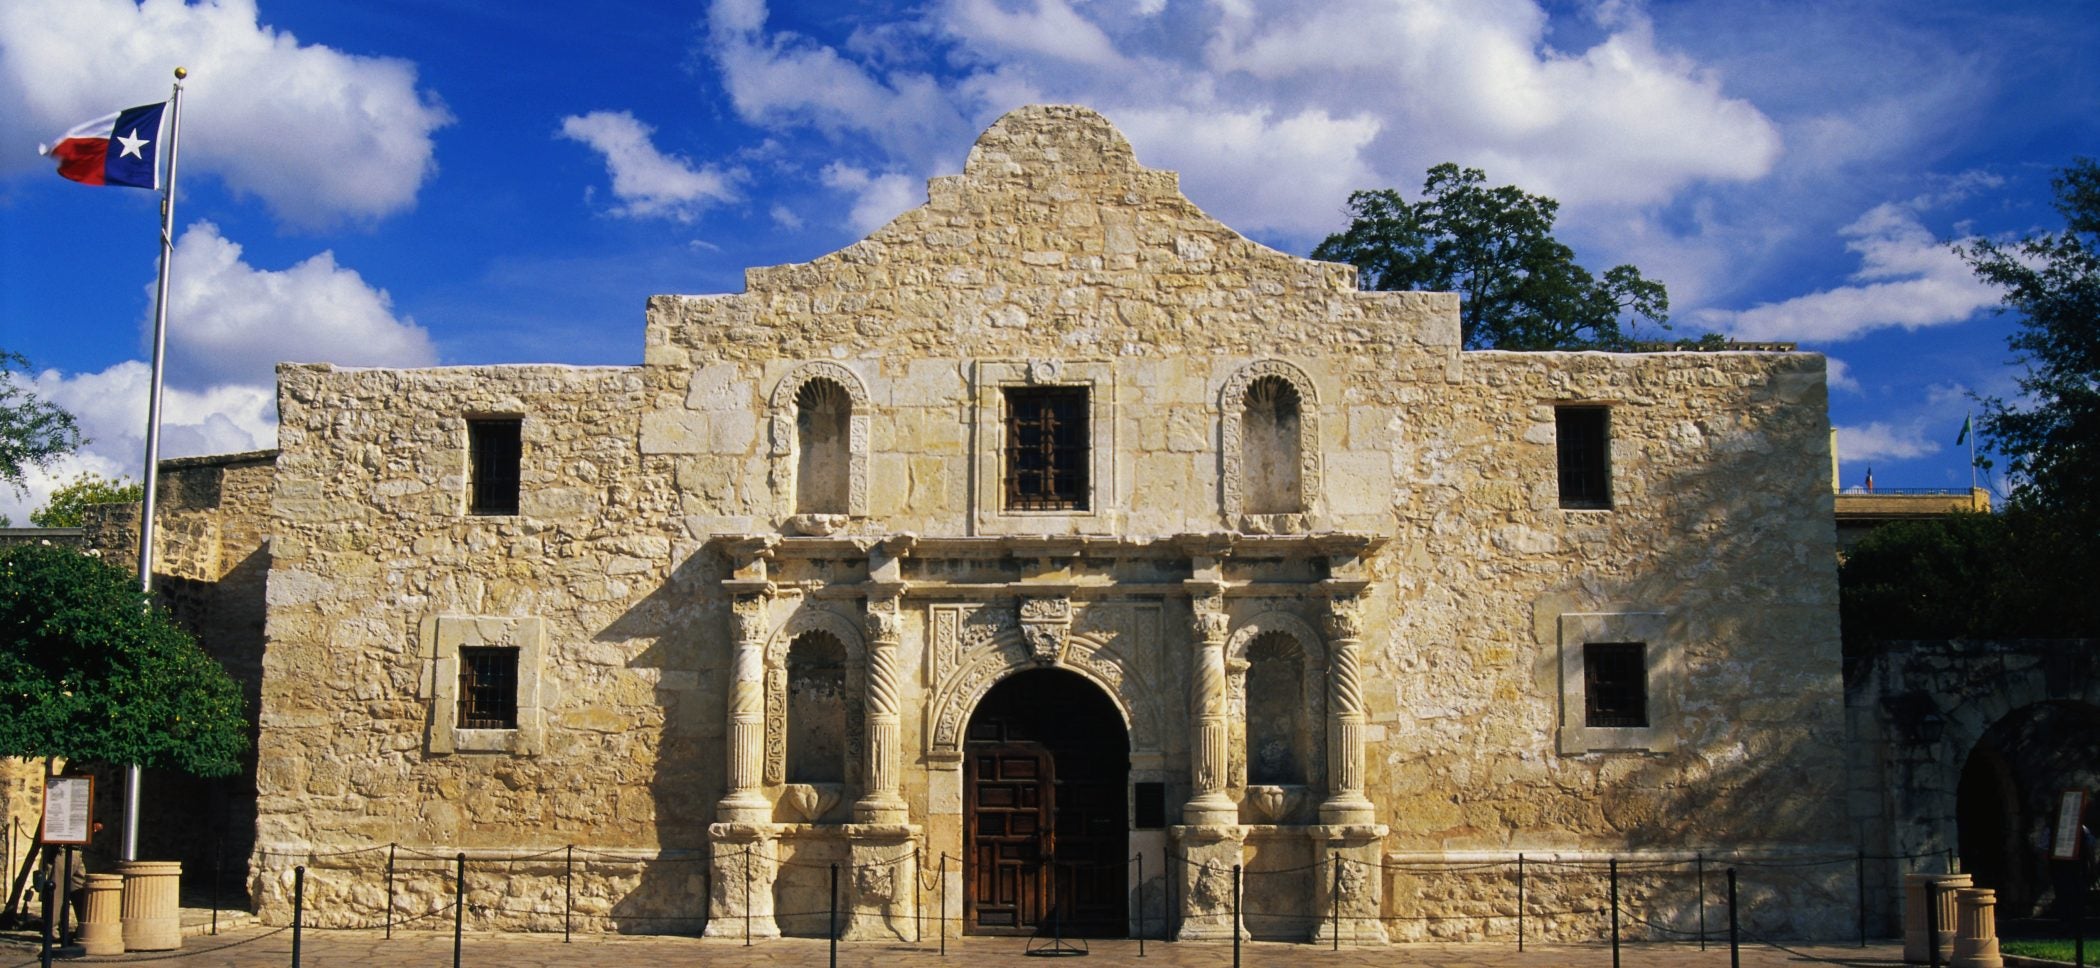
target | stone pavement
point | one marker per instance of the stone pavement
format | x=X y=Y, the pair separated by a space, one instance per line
x=250 y=946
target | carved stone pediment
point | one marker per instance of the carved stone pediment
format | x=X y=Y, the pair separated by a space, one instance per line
x=1046 y=623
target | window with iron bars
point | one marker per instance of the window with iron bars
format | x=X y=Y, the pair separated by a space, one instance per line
x=1615 y=684
x=494 y=449
x=1046 y=448
x=488 y=688
x=1583 y=435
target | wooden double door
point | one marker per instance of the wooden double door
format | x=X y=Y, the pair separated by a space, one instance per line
x=1045 y=811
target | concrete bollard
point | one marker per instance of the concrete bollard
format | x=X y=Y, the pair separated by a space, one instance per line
x=1918 y=922
x=152 y=905
x=1976 y=937
x=102 y=928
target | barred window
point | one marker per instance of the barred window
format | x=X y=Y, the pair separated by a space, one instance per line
x=1046 y=448
x=1583 y=435
x=493 y=452
x=1615 y=684
x=488 y=688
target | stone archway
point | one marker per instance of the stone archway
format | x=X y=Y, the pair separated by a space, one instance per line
x=1046 y=824
x=2006 y=802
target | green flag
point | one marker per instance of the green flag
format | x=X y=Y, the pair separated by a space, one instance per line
x=1964 y=435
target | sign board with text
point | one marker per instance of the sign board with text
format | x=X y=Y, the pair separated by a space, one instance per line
x=2068 y=811
x=69 y=808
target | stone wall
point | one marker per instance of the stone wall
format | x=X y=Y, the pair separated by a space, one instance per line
x=1432 y=576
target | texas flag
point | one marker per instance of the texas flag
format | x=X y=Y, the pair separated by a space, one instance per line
x=117 y=149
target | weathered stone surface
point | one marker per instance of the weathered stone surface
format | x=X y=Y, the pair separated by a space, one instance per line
x=660 y=544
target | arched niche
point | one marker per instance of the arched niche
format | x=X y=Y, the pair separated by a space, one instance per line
x=1270 y=448
x=818 y=419
x=1289 y=638
x=845 y=631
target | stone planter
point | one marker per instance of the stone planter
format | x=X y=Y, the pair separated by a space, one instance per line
x=102 y=928
x=152 y=909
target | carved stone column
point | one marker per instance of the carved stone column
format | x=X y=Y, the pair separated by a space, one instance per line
x=746 y=802
x=1208 y=761
x=881 y=803
x=1346 y=802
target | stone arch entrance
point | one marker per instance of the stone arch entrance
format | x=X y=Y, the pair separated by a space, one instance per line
x=2007 y=799
x=1046 y=824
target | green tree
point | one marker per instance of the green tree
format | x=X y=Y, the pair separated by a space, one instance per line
x=2051 y=439
x=90 y=673
x=1519 y=287
x=33 y=432
x=2013 y=574
x=69 y=502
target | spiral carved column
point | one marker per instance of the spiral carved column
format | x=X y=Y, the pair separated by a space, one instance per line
x=1346 y=802
x=882 y=802
x=746 y=802
x=1209 y=803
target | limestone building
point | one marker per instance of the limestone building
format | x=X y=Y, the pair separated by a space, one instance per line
x=1059 y=530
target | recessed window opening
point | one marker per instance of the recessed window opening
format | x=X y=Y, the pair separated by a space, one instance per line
x=1615 y=684
x=1046 y=448
x=1277 y=744
x=823 y=447
x=488 y=688
x=493 y=453
x=816 y=709
x=1584 y=443
x=1269 y=459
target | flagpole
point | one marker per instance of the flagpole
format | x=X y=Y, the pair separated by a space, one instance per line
x=1968 y=426
x=132 y=774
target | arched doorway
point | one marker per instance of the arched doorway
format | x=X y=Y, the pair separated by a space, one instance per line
x=1046 y=826
x=2005 y=804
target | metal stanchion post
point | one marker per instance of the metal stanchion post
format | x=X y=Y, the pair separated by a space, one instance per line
x=390 y=890
x=298 y=909
x=833 y=931
x=1932 y=924
x=2078 y=926
x=944 y=904
x=1701 y=858
x=1615 y=912
x=459 y=904
x=1141 y=902
x=43 y=886
x=568 y=891
x=1335 y=900
x=1859 y=884
x=1235 y=926
x=747 y=895
x=218 y=873
x=65 y=899
x=1735 y=945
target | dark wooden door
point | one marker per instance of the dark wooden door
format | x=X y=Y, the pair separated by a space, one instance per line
x=1008 y=819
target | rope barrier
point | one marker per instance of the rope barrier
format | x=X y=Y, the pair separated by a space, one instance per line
x=136 y=959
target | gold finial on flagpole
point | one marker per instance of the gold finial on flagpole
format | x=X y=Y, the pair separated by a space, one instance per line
x=181 y=72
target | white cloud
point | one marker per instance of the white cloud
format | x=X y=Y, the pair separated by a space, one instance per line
x=111 y=408
x=1841 y=375
x=877 y=198
x=649 y=182
x=1906 y=278
x=1265 y=106
x=1877 y=440
x=319 y=135
x=230 y=322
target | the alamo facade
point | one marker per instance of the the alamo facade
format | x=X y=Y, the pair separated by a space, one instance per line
x=1060 y=531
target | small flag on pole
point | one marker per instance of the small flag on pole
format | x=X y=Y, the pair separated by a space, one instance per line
x=1870 y=479
x=1964 y=431
x=115 y=149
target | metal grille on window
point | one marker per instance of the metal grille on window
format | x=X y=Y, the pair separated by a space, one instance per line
x=493 y=449
x=1615 y=684
x=488 y=688
x=1046 y=449
x=1585 y=456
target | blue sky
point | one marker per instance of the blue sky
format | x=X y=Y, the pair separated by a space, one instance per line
x=415 y=182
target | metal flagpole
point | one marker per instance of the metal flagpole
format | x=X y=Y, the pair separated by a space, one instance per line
x=1968 y=429
x=132 y=777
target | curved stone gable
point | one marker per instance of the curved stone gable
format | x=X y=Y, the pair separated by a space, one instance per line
x=1053 y=238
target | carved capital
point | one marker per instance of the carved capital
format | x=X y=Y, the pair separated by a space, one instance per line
x=1211 y=620
x=749 y=614
x=884 y=620
x=1345 y=617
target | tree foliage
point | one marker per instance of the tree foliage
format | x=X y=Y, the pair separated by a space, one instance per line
x=2051 y=439
x=68 y=505
x=90 y=673
x=1519 y=287
x=33 y=432
x=2014 y=574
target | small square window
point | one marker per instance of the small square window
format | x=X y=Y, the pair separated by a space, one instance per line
x=488 y=688
x=1047 y=448
x=1151 y=806
x=493 y=453
x=1615 y=684
x=1584 y=440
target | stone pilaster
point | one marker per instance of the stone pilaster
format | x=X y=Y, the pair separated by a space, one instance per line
x=746 y=801
x=743 y=869
x=882 y=893
x=1209 y=854
x=882 y=803
x=1208 y=803
x=1354 y=912
x=1346 y=802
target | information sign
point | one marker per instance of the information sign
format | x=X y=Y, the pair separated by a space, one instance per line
x=69 y=806
x=2068 y=811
